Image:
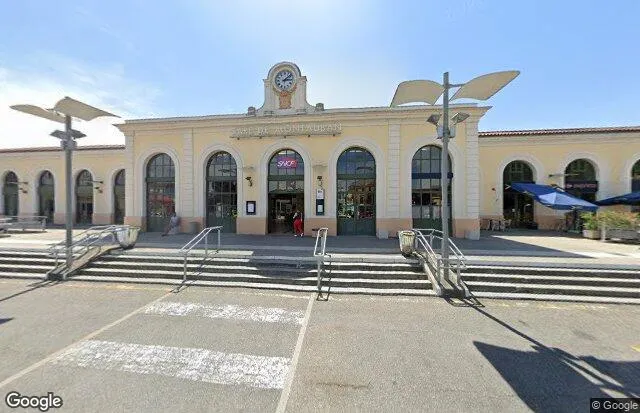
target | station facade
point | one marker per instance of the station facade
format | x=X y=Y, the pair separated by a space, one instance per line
x=357 y=171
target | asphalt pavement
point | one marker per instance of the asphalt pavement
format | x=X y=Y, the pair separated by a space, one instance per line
x=113 y=348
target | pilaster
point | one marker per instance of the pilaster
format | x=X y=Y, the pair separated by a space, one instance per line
x=393 y=172
x=186 y=187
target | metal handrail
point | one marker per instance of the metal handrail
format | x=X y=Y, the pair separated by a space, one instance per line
x=25 y=219
x=457 y=263
x=320 y=255
x=186 y=249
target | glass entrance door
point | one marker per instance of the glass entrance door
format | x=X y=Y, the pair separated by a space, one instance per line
x=281 y=210
x=356 y=195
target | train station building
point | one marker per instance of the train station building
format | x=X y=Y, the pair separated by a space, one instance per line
x=357 y=171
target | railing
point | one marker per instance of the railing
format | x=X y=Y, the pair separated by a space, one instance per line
x=320 y=254
x=24 y=222
x=186 y=250
x=455 y=263
x=84 y=242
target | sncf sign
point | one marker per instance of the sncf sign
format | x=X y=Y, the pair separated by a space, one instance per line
x=286 y=162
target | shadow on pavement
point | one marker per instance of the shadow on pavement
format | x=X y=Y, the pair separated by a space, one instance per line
x=33 y=286
x=551 y=379
x=4 y=320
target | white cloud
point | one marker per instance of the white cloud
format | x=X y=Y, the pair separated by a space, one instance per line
x=46 y=78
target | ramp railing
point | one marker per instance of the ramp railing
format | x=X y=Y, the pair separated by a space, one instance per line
x=88 y=244
x=319 y=252
x=454 y=264
x=203 y=235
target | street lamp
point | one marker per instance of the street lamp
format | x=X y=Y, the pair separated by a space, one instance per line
x=62 y=112
x=428 y=91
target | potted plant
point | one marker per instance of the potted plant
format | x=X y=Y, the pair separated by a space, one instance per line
x=619 y=225
x=591 y=228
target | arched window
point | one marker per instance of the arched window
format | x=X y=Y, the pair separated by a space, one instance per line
x=580 y=179
x=356 y=192
x=426 y=184
x=118 y=197
x=84 y=198
x=10 y=194
x=635 y=177
x=160 y=181
x=46 y=195
x=222 y=191
x=285 y=189
x=517 y=207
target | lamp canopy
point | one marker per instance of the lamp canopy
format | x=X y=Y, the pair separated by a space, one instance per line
x=485 y=86
x=79 y=110
x=39 y=112
x=410 y=91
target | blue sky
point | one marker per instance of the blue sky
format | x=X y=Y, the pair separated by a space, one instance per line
x=579 y=59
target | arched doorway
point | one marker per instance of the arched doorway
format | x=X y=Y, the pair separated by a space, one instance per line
x=356 y=192
x=160 y=181
x=580 y=181
x=285 y=190
x=84 y=198
x=118 y=198
x=516 y=206
x=426 y=184
x=46 y=196
x=10 y=194
x=222 y=191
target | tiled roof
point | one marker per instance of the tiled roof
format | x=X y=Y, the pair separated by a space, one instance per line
x=568 y=131
x=58 y=149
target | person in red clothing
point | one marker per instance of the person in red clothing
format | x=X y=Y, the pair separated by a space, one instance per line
x=297 y=224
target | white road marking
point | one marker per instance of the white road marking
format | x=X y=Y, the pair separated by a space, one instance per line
x=261 y=314
x=87 y=337
x=184 y=363
x=284 y=396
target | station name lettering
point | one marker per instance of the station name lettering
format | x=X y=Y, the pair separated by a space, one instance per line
x=288 y=129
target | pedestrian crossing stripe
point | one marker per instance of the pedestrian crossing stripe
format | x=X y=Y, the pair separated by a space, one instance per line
x=184 y=363
x=236 y=312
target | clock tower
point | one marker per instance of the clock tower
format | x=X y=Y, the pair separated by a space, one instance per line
x=285 y=91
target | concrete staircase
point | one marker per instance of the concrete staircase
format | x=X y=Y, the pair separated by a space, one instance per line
x=347 y=273
x=343 y=275
x=25 y=263
x=517 y=281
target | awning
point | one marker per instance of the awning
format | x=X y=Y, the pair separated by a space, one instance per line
x=554 y=198
x=632 y=198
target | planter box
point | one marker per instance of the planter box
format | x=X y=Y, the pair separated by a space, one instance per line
x=622 y=233
x=591 y=233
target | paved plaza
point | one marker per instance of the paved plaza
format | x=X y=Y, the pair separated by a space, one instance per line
x=108 y=347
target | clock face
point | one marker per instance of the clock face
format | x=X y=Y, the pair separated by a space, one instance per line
x=284 y=79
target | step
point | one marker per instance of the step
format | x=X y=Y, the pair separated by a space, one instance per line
x=504 y=269
x=309 y=278
x=557 y=297
x=25 y=268
x=274 y=268
x=23 y=275
x=553 y=279
x=33 y=260
x=477 y=286
x=286 y=287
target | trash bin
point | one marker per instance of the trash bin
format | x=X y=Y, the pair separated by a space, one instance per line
x=127 y=236
x=194 y=227
x=407 y=240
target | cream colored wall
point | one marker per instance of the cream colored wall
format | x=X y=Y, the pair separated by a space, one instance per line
x=103 y=165
x=613 y=156
x=191 y=143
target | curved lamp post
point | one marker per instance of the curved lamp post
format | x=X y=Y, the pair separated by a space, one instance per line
x=63 y=112
x=427 y=91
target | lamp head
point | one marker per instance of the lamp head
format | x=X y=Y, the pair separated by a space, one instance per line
x=434 y=119
x=459 y=117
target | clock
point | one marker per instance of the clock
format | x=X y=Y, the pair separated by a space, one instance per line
x=284 y=80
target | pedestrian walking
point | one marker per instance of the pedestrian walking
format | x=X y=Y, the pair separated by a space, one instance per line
x=297 y=224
